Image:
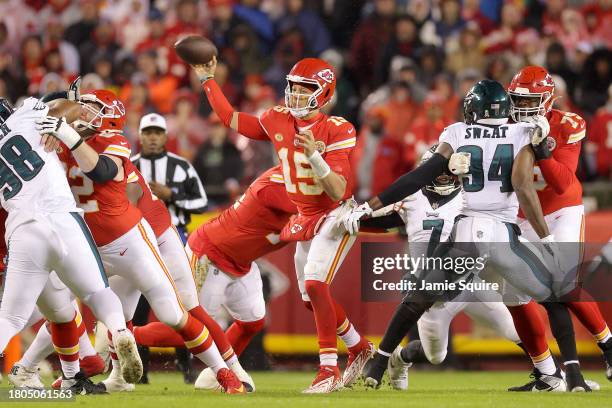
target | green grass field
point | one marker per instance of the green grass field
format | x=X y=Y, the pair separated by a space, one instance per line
x=282 y=389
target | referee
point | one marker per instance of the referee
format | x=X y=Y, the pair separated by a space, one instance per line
x=171 y=177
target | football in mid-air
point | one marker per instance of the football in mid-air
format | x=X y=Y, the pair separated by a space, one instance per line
x=195 y=49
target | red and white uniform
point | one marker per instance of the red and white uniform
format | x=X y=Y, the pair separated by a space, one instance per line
x=226 y=247
x=170 y=245
x=559 y=190
x=125 y=240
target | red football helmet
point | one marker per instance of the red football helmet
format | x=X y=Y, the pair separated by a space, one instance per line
x=531 y=93
x=101 y=110
x=313 y=73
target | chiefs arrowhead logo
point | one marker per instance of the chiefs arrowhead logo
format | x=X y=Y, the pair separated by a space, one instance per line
x=295 y=228
x=327 y=75
x=551 y=143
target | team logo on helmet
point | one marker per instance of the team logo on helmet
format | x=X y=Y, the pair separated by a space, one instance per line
x=327 y=75
x=295 y=228
x=551 y=143
x=320 y=146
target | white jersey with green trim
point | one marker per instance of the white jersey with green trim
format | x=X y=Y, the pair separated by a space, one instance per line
x=488 y=188
x=32 y=181
x=428 y=224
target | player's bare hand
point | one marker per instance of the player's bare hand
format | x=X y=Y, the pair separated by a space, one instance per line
x=306 y=140
x=50 y=142
x=162 y=192
x=206 y=71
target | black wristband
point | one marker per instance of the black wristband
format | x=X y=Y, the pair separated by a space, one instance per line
x=541 y=151
x=77 y=144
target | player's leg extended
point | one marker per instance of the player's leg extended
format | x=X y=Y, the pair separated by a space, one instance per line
x=143 y=266
x=326 y=253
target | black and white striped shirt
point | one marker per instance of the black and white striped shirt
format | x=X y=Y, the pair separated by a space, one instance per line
x=188 y=195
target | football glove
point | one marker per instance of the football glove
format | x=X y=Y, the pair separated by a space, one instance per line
x=541 y=131
x=459 y=163
x=352 y=218
x=60 y=129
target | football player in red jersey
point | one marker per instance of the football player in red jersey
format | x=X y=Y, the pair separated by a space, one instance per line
x=560 y=193
x=178 y=262
x=96 y=160
x=314 y=150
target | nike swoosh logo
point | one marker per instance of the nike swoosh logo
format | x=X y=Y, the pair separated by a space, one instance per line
x=123 y=252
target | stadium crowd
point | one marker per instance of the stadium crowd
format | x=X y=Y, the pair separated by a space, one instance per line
x=402 y=66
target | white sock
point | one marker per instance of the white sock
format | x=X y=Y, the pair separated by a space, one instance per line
x=546 y=366
x=231 y=360
x=329 y=359
x=351 y=337
x=86 y=349
x=41 y=348
x=70 y=368
x=212 y=358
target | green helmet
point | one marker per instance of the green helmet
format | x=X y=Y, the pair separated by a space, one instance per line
x=487 y=102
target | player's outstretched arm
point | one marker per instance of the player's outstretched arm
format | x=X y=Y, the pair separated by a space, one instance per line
x=414 y=180
x=522 y=182
x=243 y=123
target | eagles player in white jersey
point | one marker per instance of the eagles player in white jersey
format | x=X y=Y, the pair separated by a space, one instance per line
x=501 y=165
x=45 y=232
x=428 y=216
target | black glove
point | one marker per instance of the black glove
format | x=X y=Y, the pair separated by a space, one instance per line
x=541 y=150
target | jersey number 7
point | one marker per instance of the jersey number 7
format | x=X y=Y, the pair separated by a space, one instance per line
x=25 y=163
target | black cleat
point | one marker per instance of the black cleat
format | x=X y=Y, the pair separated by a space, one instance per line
x=542 y=383
x=574 y=379
x=375 y=371
x=606 y=348
x=81 y=385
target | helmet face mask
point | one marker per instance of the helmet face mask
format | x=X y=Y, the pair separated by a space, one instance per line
x=443 y=185
x=100 y=111
x=531 y=93
x=310 y=86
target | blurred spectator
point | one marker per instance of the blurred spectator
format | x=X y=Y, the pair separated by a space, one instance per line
x=81 y=31
x=64 y=12
x=159 y=86
x=223 y=21
x=551 y=17
x=288 y=51
x=498 y=69
x=54 y=38
x=599 y=142
x=249 y=12
x=471 y=12
x=346 y=101
x=247 y=52
x=571 y=32
x=598 y=19
x=557 y=63
x=32 y=62
x=562 y=99
x=528 y=49
x=102 y=39
x=130 y=20
x=219 y=165
x=444 y=97
x=451 y=21
x=103 y=67
x=369 y=39
x=430 y=64
x=364 y=155
x=404 y=42
x=156 y=31
x=595 y=78
x=52 y=82
x=402 y=110
x=186 y=130
x=309 y=23
x=426 y=128
x=468 y=54
x=502 y=38
x=187 y=15
x=20 y=21
x=343 y=18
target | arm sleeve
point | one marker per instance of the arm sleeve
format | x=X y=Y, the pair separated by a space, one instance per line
x=248 y=125
x=412 y=181
x=193 y=199
x=386 y=222
x=559 y=171
x=105 y=170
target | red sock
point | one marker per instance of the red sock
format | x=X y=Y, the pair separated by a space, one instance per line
x=590 y=316
x=195 y=335
x=65 y=337
x=240 y=333
x=530 y=328
x=325 y=315
x=343 y=325
x=216 y=332
x=157 y=334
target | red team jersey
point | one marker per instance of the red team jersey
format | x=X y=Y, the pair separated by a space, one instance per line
x=152 y=208
x=108 y=212
x=335 y=140
x=555 y=180
x=249 y=229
